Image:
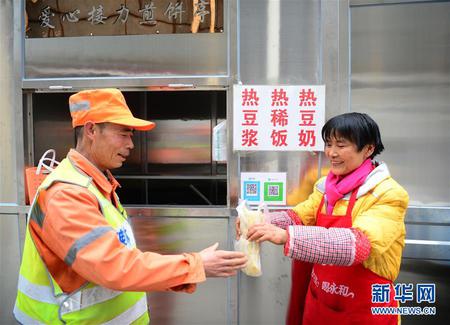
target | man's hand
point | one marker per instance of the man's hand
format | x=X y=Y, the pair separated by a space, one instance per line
x=266 y=231
x=221 y=263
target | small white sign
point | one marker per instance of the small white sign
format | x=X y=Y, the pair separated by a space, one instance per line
x=269 y=188
x=278 y=118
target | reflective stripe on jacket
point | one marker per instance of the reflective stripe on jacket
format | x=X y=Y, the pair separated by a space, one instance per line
x=40 y=298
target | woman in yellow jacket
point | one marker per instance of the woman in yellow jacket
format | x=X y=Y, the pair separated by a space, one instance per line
x=351 y=227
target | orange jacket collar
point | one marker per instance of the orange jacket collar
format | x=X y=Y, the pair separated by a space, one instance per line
x=106 y=183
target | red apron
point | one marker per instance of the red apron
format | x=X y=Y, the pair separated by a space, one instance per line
x=343 y=294
x=301 y=274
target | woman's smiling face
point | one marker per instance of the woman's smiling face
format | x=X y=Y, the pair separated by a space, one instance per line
x=344 y=155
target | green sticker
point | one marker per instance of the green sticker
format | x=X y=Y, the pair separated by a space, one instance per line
x=273 y=191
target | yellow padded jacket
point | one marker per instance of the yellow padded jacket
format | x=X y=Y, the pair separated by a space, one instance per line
x=379 y=212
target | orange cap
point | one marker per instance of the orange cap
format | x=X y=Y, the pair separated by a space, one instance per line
x=104 y=105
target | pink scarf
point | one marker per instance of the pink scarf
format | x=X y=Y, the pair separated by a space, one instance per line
x=338 y=186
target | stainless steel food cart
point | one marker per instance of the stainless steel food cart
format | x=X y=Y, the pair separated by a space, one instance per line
x=389 y=58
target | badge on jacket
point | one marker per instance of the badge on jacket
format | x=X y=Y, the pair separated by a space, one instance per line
x=125 y=235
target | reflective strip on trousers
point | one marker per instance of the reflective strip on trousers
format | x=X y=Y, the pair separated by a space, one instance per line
x=23 y=318
x=130 y=315
x=87 y=297
x=38 y=292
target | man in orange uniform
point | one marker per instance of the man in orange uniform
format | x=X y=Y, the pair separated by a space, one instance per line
x=78 y=245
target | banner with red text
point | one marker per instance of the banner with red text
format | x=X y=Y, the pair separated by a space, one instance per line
x=278 y=118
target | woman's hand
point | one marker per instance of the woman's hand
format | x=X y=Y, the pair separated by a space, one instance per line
x=266 y=231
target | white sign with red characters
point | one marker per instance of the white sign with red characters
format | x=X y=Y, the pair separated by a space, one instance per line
x=278 y=118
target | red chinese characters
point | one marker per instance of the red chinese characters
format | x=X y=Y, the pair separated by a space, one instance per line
x=249 y=97
x=279 y=118
x=249 y=117
x=279 y=138
x=307 y=138
x=307 y=98
x=249 y=136
x=279 y=97
x=307 y=118
x=307 y=114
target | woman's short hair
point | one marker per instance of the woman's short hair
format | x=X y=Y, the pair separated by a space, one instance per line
x=359 y=128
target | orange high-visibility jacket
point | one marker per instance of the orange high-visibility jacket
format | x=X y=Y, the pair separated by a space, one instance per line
x=71 y=212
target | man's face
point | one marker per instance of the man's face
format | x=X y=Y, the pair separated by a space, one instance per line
x=111 y=145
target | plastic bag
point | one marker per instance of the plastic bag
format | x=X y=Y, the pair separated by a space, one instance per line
x=219 y=142
x=34 y=176
x=247 y=219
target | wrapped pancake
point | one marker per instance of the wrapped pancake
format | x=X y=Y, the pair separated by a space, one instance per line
x=247 y=219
